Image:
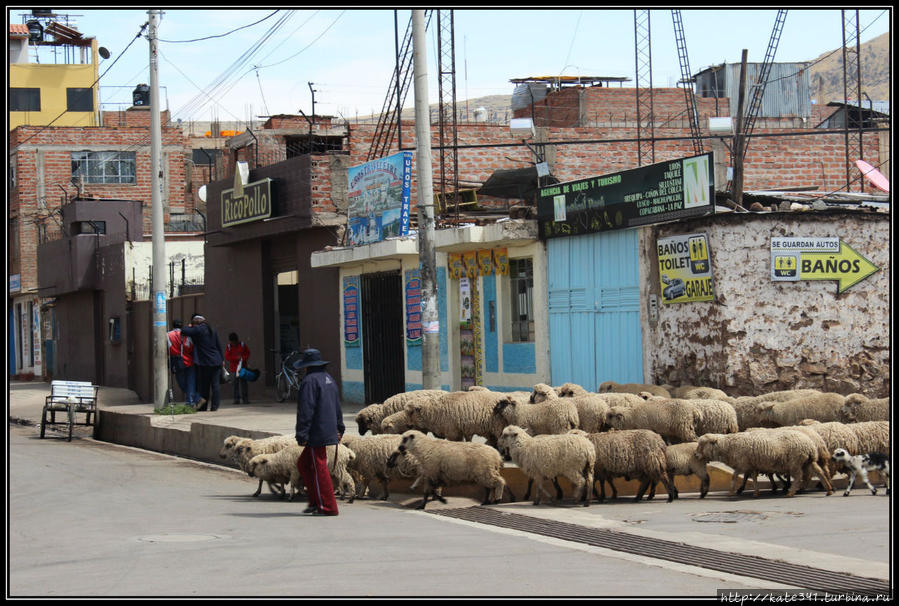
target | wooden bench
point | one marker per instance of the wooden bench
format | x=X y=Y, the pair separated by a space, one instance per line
x=70 y=397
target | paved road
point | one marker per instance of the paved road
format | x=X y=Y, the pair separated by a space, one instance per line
x=93 y=519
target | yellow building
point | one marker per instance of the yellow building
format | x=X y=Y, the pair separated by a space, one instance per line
x=62 y=93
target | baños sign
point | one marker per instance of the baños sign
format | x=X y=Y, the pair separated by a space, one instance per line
x=794 y=259
x=254 y=205
x=650 y=194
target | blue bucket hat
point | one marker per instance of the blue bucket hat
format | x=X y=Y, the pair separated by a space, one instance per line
x=311 y=357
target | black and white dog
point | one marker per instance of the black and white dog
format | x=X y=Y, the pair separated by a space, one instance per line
x=861 y=465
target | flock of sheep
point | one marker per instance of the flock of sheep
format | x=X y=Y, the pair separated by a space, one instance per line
x=640 y=432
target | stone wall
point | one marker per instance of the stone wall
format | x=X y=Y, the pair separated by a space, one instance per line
x=759 y=335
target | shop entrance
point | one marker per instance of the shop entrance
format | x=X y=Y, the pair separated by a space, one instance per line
x=383 y=336
x=287 y=313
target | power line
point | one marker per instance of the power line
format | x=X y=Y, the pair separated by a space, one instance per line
x=219 y=35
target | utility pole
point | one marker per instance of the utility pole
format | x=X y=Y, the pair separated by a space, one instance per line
x=739 y=142
x=160 y=353
x=427 y=255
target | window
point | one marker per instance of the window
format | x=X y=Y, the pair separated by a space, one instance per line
x=88 y=227
x=104 y=167
x=24 y=99
x=80 y=99
x=205 y=156
x=521 y=277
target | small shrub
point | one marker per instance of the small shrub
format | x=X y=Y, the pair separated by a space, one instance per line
x=177 y=409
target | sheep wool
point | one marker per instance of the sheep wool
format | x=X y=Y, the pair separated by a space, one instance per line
x=444 y=463
x=873 y=436
x=781 y=452
x=835 y=435
x=370 y=417
x=858 y=408
x=634 y=388
x=370 y=463
x=823 y=407
x=674 y=420
x=550 y=456
x=634 y=453
x=683 y=460
x=458 y=415
x=396 y=423
x=548 y=414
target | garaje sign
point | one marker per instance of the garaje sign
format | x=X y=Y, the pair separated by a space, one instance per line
x=684 y=269
x=794 y=259
x=649 y=194
x=255 y=204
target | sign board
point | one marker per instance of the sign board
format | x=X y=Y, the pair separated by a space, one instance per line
x=413 y=307
x=15 y=283
x=650 y=194
x=378 y=194
x=351 y=311
x=254 y=205
x=794 y=259
x=685 y=270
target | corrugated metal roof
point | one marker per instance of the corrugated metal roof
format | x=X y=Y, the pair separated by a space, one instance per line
x=787 y=92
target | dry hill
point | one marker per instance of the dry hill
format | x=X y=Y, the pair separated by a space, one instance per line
x=826 y=75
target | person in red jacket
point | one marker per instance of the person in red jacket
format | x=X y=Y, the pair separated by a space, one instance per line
x=236 y=354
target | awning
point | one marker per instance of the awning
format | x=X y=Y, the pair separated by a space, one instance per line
x=519 y=183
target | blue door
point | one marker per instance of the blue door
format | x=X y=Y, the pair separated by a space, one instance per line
x=594 y=309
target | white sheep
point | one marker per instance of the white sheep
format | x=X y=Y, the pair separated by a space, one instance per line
x=458 y=415
x=683 y=460
x=782 y=452
x=634 y=388
x=674 y=420
x=396 y=423
x=591 y=411
x=835 y=435
x=281 y=466
x=632 y=453
x=717 y=416
x=823 y=454
x=858 y=408
x=444 y=463
x=247 y=448
x=701 y=393
x=370 y=417
x=549 y=414
x=750 y=415
x=568 y=390
x=370 y=463
x=823 y=407
x=873 y=436
x=550 y=456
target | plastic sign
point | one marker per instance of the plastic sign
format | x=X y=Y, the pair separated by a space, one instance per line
x=794 y=259
x=685 y=269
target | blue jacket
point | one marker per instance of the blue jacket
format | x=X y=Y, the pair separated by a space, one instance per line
x=207 y=348
x=319 y=416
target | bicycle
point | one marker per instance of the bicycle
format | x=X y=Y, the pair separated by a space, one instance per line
x=287 y=379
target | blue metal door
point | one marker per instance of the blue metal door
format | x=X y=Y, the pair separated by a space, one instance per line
x=594 y=309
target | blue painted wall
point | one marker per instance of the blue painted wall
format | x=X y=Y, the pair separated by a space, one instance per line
x=491 y=337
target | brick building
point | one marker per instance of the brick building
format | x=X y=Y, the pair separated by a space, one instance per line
x=50 y=167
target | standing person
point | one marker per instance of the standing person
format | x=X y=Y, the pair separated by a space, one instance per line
x=237 y=353
x=319 y=425
x=176 y=358
x=190 y=370
x=208 y=358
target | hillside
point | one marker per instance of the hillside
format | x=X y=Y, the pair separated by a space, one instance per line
x=826 y=77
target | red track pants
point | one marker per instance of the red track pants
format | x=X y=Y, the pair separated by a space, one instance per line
x=313 y=467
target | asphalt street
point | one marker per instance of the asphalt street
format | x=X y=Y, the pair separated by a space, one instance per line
x=93 y=519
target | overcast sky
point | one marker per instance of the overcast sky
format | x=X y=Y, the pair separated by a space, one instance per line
x=348 y=54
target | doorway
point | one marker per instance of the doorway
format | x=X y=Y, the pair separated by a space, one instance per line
x=287 y=313
x=383 y=338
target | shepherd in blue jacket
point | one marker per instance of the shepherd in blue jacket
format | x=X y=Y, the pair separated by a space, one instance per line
x=319 y=426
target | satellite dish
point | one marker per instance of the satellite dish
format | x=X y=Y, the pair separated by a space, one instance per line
x=201 y=193
x=104 y=52
x=873 y=175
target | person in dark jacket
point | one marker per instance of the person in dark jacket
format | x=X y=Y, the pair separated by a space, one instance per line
x=319 y=426
x=208 y=358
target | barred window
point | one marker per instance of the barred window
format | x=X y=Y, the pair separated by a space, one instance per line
x=105 y=167
x=521 y=276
